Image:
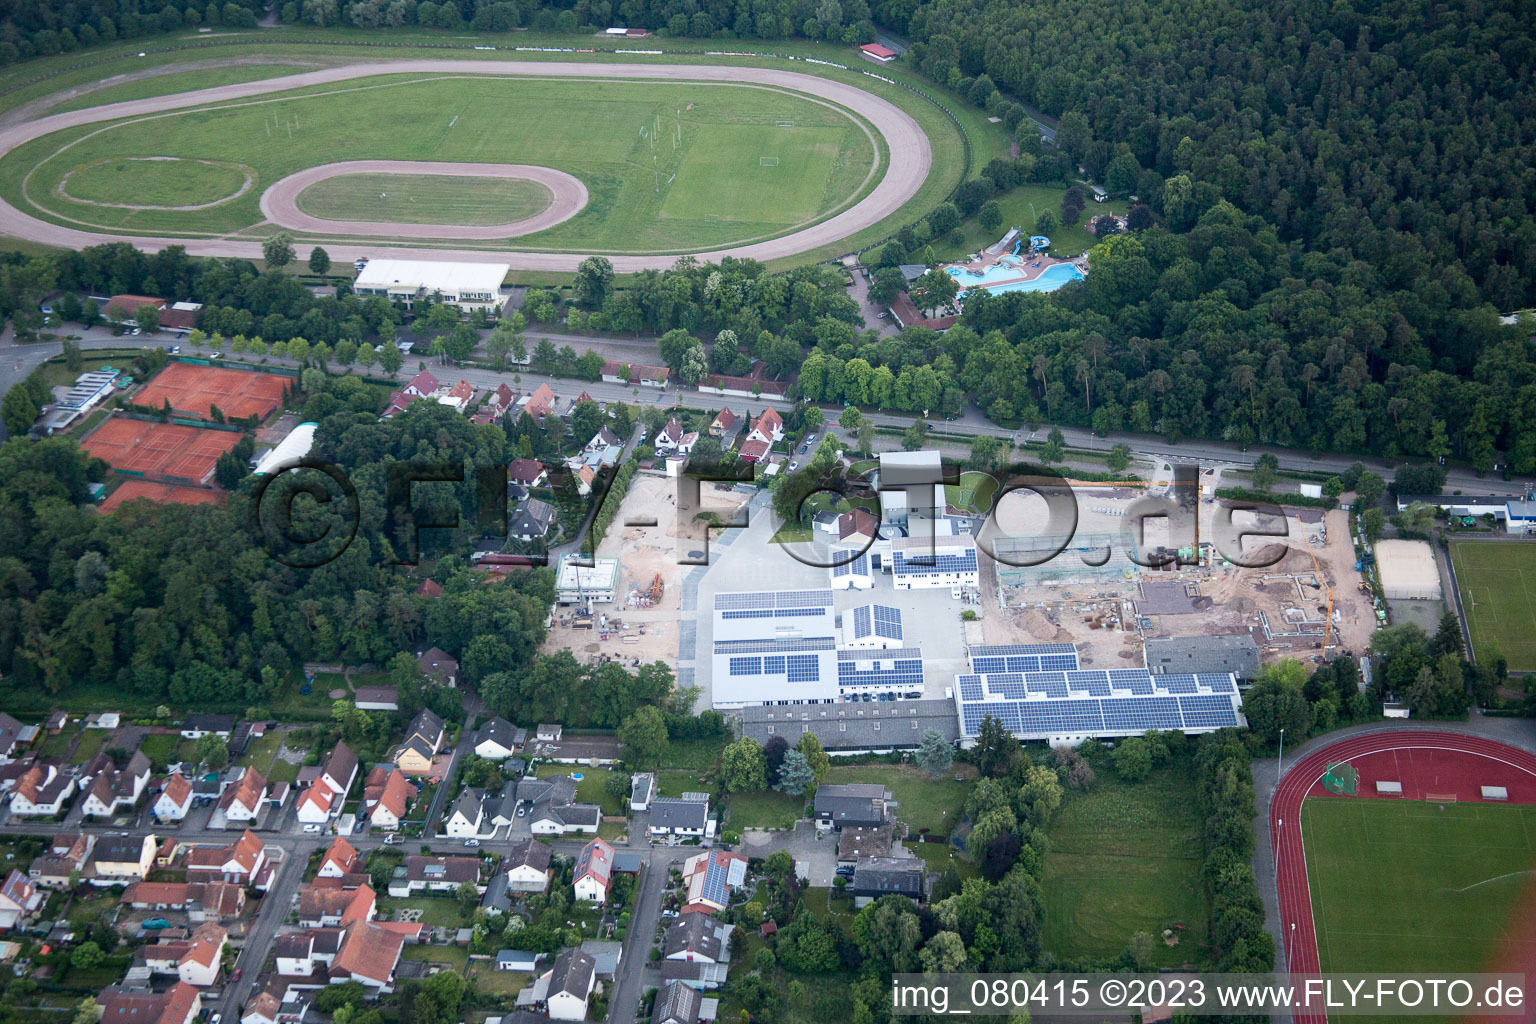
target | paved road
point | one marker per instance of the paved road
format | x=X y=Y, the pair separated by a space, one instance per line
x=909 y=158
x=258 y=941
x=16 y=361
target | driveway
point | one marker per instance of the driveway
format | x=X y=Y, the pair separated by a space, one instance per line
x=814 y=851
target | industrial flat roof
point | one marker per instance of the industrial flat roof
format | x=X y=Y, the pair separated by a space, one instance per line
x=433 y=275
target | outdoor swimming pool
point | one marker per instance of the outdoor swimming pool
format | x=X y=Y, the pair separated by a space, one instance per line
x=1001 y=277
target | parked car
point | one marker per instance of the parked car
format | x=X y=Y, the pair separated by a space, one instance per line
x=391 y=839
x=238 y=972
x=522 y=809
x=218 y=1016
x=217 y=355
x=311 y=829
x=794 y=466
x=471 y=842
x=175 y=350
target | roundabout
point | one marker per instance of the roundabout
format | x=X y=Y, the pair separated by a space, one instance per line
x=747 y=162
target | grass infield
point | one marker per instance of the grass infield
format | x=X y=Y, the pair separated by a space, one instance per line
x=669 y=165
x=1408 y=886
x=1498 y=593
x=424 y=199
x=143 y=182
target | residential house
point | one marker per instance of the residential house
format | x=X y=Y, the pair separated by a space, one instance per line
x=855 y=843
x=244 y=800
x=568 y=985
x=66 y=855
x=324 y=796
x=710 y=877
x=642 y=789
x=697 y=975
x=41 y=792
x=179 y=1004
x=340 y=770
x=593 y=872
x=423 y=385
x=858 y=803
x=120 y=860
x=317 y=804
x=754 y=450
x=677 y=1003
x=526 y=473
x=117 y=789
x=195 y=727
x=195 y=961
x=328 y=907
x=495 y=739
x=857 y=528
x=261 y=1008
x=725 y=426
x=457 y=397
x=387 y=795
x=606 y=957
x=383 y=698
x=502 y=399
x=601 y=441
x=698 y=938
x=874 y=877
x=174 y=800
x=767 y=427
x=685 y=816
x=360 y=951
x=436 y=874
x=540 y=404
x=526 y=865
x=669 y=437
x=341 y=859
x=19 y=900
x=530 y=520
x=423 y=739
x=585 y=476
x=503 y=808
x=467 y=818
x=686 y=442
x=201 y=901
x=243 y=862
x=635 y=373
x=439 y=665
x=13 y=733
x=553 y=809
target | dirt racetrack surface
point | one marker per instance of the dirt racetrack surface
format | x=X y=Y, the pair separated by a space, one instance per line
x=909 y=160
x=279 y=203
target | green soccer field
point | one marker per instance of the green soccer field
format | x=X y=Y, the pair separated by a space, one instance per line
x=424 y=199
x=1125 y=859
x=1408 y=886
x=669 y=166
x=1497 y=582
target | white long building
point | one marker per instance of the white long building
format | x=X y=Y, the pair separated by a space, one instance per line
x=469 y=286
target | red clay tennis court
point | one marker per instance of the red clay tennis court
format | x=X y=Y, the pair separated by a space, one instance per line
x=164 y=493
x=192 y=389
x=160 y=449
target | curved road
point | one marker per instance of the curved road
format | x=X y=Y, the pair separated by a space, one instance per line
x=909 y=160
x=1300 y=954
x=280 y=202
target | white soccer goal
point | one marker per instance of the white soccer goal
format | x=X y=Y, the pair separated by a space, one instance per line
x=786 y=124
x=767 y=161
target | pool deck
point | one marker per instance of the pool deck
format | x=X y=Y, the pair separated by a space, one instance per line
x=1028 y=269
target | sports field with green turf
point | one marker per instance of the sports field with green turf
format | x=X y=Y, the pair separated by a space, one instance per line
x=669 y=166
x=1409 y=886
x=1497 y=582
x=424 y=199
x=1124 y=859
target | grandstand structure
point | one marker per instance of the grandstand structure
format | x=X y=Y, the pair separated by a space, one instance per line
x=788 y=647
x=1040 y=692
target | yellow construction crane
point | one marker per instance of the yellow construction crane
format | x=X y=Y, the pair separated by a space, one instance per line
x=1322 y=581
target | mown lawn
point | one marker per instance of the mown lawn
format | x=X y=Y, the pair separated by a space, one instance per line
x=697 y=755
x=160 y=748
x=1125 y=859
x=766 y=809
x=932 y=805
x=90 y=745
x=437 y=911
x=590 y=787
x=1021 y=208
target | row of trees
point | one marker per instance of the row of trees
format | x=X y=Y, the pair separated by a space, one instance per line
x=41 y=28
x=1224 y=794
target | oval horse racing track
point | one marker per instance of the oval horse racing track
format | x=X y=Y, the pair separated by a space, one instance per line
x=908 y=161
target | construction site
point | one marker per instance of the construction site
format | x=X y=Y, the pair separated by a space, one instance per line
x=1094 y=594
x=640 y=622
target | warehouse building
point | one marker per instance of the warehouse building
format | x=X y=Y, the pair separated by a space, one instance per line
x=776 y=645
x=850 y=729
x=934 y=562
x=469 y=286
x=586 y=585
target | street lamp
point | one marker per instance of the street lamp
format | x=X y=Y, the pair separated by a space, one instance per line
x=1280 y=758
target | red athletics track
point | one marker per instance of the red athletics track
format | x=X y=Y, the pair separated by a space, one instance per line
x=1425 y=762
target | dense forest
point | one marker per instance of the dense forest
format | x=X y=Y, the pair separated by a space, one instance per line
x=1346 y=198
x=43 y=28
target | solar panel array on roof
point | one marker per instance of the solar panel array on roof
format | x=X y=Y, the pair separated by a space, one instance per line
x=1007 y=650
x=970 y=687
x=1207 y=712
x=887 y=622
x=933 y=562
x=778 y=645
x=757 y=599
x=802 y=668
x=1127 y=714
x=1178 y=684
x=775 y=613
x=854 y=567
x=880 y=670
x=863 y=621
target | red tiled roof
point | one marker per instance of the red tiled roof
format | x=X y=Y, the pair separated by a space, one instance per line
x=369 y=952
x=178 y=789
x=342 y=853
x=524 y=471
x=755 y=450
